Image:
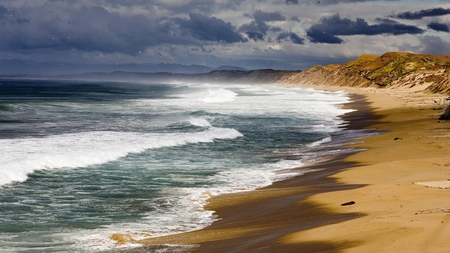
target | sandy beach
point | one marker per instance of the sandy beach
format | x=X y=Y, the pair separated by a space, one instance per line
x=396 y=190
x=405 y=172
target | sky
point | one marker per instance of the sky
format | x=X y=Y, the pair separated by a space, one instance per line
x=253 y=34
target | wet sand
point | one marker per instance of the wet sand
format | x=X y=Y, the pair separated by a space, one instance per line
x=391 y=211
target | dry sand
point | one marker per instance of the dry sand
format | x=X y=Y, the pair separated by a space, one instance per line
x=404 y=204
x=397 y=206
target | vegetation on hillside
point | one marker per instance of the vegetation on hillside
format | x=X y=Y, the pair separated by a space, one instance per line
x=384 y=70
x=419 y=72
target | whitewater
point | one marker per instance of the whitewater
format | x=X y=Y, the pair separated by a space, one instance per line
x=81 y=160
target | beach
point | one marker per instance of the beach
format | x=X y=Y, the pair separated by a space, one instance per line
x=405 y=173
x=391 y=186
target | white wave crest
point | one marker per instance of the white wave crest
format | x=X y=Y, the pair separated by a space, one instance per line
x=19 y=157
x=199 y=122
x=219 y=95
x=317 y=143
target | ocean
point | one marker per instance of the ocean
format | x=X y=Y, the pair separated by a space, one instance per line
x=82 y=160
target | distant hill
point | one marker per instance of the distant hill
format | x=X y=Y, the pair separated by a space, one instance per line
x=399 y=70
x=22 y=67
x=260 y=76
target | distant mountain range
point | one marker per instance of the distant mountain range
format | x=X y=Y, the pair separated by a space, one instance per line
x=23 y=67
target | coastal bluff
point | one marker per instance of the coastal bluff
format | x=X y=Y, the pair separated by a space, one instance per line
x=395 y=70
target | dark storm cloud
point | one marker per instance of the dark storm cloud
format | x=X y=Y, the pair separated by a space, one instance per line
x=206 y=7
x=97 y=29
x=3 y=11
x=7 y=17
x=423 y=13
x=349 y=1
x=292 y=36
x=318 y=36
x=328 y=28
x=86 y=29
x=255 y=35
x=291 y=1
x=296 y=2
x=257 y=29
x=439 y=27
x=261 y=16
x=210 y=28
x=296 y=39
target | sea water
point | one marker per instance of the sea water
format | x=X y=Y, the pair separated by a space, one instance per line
x=81 y=161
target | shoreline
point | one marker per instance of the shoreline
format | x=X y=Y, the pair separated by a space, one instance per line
x=276 y=210
x=289 y=209
x=392 y=210
x=399 y=213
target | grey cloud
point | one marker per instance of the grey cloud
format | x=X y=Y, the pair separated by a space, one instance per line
x=86 y=29
x=255 y=35
x=3 y=11
x=261 y=16
x=97 y=29
x=292 y=36
x=423 y=13
x=318 y=36
x=439 y=27
x=253 y=26
x=257 y=29
x=434 y=45
x=296 y=39
x=295 y=19
x=210 y=28
x=330 y=2
x=276 y=29
x=11 y=17
x=291 y=1
x=329 y=27
x=207 y=7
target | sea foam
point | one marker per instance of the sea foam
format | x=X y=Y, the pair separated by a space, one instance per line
x=185 y=209
x=19 y=157
x=218 y=95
